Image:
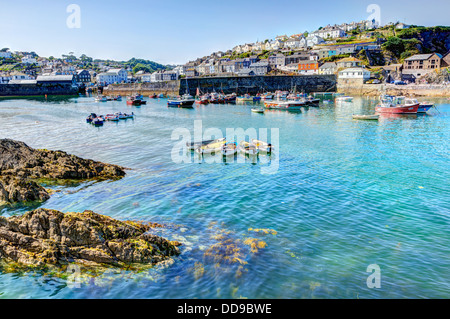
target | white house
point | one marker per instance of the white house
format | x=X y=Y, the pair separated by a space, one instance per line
x=5 y=55
x=311 y=40
x=354 y=74
x=293 y=43
x=112 y=76
x=330 y=32
x=28 y=59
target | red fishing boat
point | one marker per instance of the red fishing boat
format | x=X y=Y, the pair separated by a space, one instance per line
x=396 y=105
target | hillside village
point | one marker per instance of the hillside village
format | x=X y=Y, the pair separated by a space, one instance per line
x=357 y=52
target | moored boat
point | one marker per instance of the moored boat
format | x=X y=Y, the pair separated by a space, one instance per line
x=258 y=110
x=366 y=117
x=396 y=105
x=263 y=147
x=211 y=148
x=344 y=99
x=112 y=117
x=229 y=149
x=185 y=101
x=248 y=148
x=285 y=105
x=194 y=145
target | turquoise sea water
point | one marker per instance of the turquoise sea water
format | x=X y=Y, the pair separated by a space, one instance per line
x=346 y=194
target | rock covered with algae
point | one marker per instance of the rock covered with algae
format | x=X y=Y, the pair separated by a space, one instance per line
x=21 y=166
x=44 y=237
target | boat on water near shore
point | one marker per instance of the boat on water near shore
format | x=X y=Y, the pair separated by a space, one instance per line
x=344 y=99
x=396 y=105
x=424 y=107
x=185 y=101
x=263 y=147
x=211 y=148
x=248 y=148
x=285 y=105
x=258 y=110
x=101 y=99
x=194 y=145
x=112 y=117
x=135 y=100
x=372 y=117
x=229 y=149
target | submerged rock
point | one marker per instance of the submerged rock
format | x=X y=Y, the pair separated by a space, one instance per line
x=46 y=237
x=21 y=166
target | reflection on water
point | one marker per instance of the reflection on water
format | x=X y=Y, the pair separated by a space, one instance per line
x=346 y=194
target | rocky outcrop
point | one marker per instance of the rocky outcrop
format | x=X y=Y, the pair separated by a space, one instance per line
x=21 y=165
x=46 y=237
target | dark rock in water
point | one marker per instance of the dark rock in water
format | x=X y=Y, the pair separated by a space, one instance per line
x=49 y=237
x=13 y=189
x=20 y=164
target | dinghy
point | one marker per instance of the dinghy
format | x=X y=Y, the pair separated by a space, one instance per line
x=374 y=117
x=248 y=148
x=229 y=149
x=263 y=147
x=194 y=145
x=211 y=148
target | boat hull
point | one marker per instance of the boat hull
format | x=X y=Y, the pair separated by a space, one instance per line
x=424 y=108
x=409 y=109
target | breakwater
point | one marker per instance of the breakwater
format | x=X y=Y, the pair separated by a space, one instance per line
x=240 y=85
x=37 y=89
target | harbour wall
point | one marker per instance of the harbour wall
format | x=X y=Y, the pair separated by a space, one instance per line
x=239 y=85
x=166 y=88
x=37 y=89
x=413 y=90
x=260 y=84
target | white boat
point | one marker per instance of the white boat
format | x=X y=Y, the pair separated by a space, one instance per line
x=258 y=110
x=374 y=117
x=229 y=149
x=263 y=147
x=194 y=145
x=101 y=99
x=285 y=105
x=212 y=148
x=344 y=99
x=248 y=148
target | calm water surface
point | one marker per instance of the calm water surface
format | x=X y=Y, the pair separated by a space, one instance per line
x=347 y=194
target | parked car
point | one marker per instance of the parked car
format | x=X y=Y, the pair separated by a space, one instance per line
x=399 y=82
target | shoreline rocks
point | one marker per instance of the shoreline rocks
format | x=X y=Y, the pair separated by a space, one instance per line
x=45 y=237
x=21 y=168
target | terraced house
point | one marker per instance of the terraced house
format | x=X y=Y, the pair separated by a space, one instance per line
x=421 y=64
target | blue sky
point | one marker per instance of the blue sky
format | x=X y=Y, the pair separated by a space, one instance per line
x=174 y=31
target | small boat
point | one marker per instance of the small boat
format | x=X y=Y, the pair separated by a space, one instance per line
x=263 y=147
x=101 y=99
x=229 y=149
x=118 y=98
x=211 y=148
x=194 y=145
x=344 y=99
x=203 y=100
x=258 y=110
x=230 y=98
x=245 y=98
x=285 y=105
x=160 y=95
x=424 y=107
x=153 y=96
x=366 y=117
x=111 y=117
x=135 y=100
x=91 y=117
x=185 y=101
x=98 y=121
x=310 y=100
x=248 y=148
